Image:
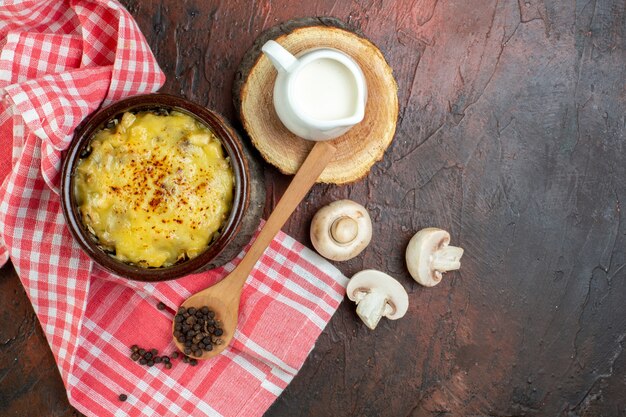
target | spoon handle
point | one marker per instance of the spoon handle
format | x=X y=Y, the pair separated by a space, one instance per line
x=300 y=185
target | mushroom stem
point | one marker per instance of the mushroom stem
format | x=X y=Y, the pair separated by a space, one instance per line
x=341 y=230
x=371 y=308
x=344 y=230
x=448 y=258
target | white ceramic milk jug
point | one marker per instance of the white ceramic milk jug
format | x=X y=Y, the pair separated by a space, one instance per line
x=320 y=94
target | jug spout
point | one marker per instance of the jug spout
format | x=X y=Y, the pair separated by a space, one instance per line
x=279 y=56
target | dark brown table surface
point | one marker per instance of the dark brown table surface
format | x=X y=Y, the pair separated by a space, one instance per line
x=511 y=135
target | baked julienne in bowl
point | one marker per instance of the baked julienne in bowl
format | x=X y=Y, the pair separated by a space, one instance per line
x=154 y=187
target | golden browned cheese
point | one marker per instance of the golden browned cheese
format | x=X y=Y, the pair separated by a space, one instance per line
x=155 y=188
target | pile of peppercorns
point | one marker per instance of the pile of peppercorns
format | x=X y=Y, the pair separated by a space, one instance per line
x=197 y=329
x=149 y=357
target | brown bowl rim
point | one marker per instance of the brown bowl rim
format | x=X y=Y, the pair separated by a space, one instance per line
x=83 y=135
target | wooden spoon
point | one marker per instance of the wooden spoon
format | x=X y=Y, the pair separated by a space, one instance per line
x=223 y=298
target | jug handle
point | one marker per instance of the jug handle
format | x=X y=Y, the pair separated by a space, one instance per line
x=279 y=56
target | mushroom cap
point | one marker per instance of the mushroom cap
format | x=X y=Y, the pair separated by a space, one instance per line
x=341 y=230
x=370 y=280
x=419 y=255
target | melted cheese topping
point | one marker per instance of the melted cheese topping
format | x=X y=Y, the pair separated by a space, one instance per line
x=155 y=188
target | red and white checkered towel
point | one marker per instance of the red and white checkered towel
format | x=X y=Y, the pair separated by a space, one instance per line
x=59 y=61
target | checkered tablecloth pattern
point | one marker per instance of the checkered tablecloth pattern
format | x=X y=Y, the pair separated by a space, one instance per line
x=59 y=61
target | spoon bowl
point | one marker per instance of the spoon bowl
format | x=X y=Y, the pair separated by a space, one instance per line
x=224 y=297
x=226 y=311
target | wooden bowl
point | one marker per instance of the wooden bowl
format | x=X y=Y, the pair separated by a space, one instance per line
x=232 y=146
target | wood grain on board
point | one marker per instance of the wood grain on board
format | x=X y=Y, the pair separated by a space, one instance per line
x=358 y=149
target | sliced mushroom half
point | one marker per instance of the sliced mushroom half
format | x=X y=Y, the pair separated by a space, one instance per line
x=341 y=230
x=377 y=295
x=429 y=255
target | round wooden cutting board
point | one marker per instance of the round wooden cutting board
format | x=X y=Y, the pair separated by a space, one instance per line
x=361 y=146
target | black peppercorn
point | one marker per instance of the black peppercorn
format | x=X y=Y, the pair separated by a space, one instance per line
x=135 y=356
x=168 y=365
x=218 y=332
x=161 y=306
x=123 y=397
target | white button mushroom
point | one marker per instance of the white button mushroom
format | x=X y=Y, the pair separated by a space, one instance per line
x=429 y=255
x=341 y=230
x=377 y=295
